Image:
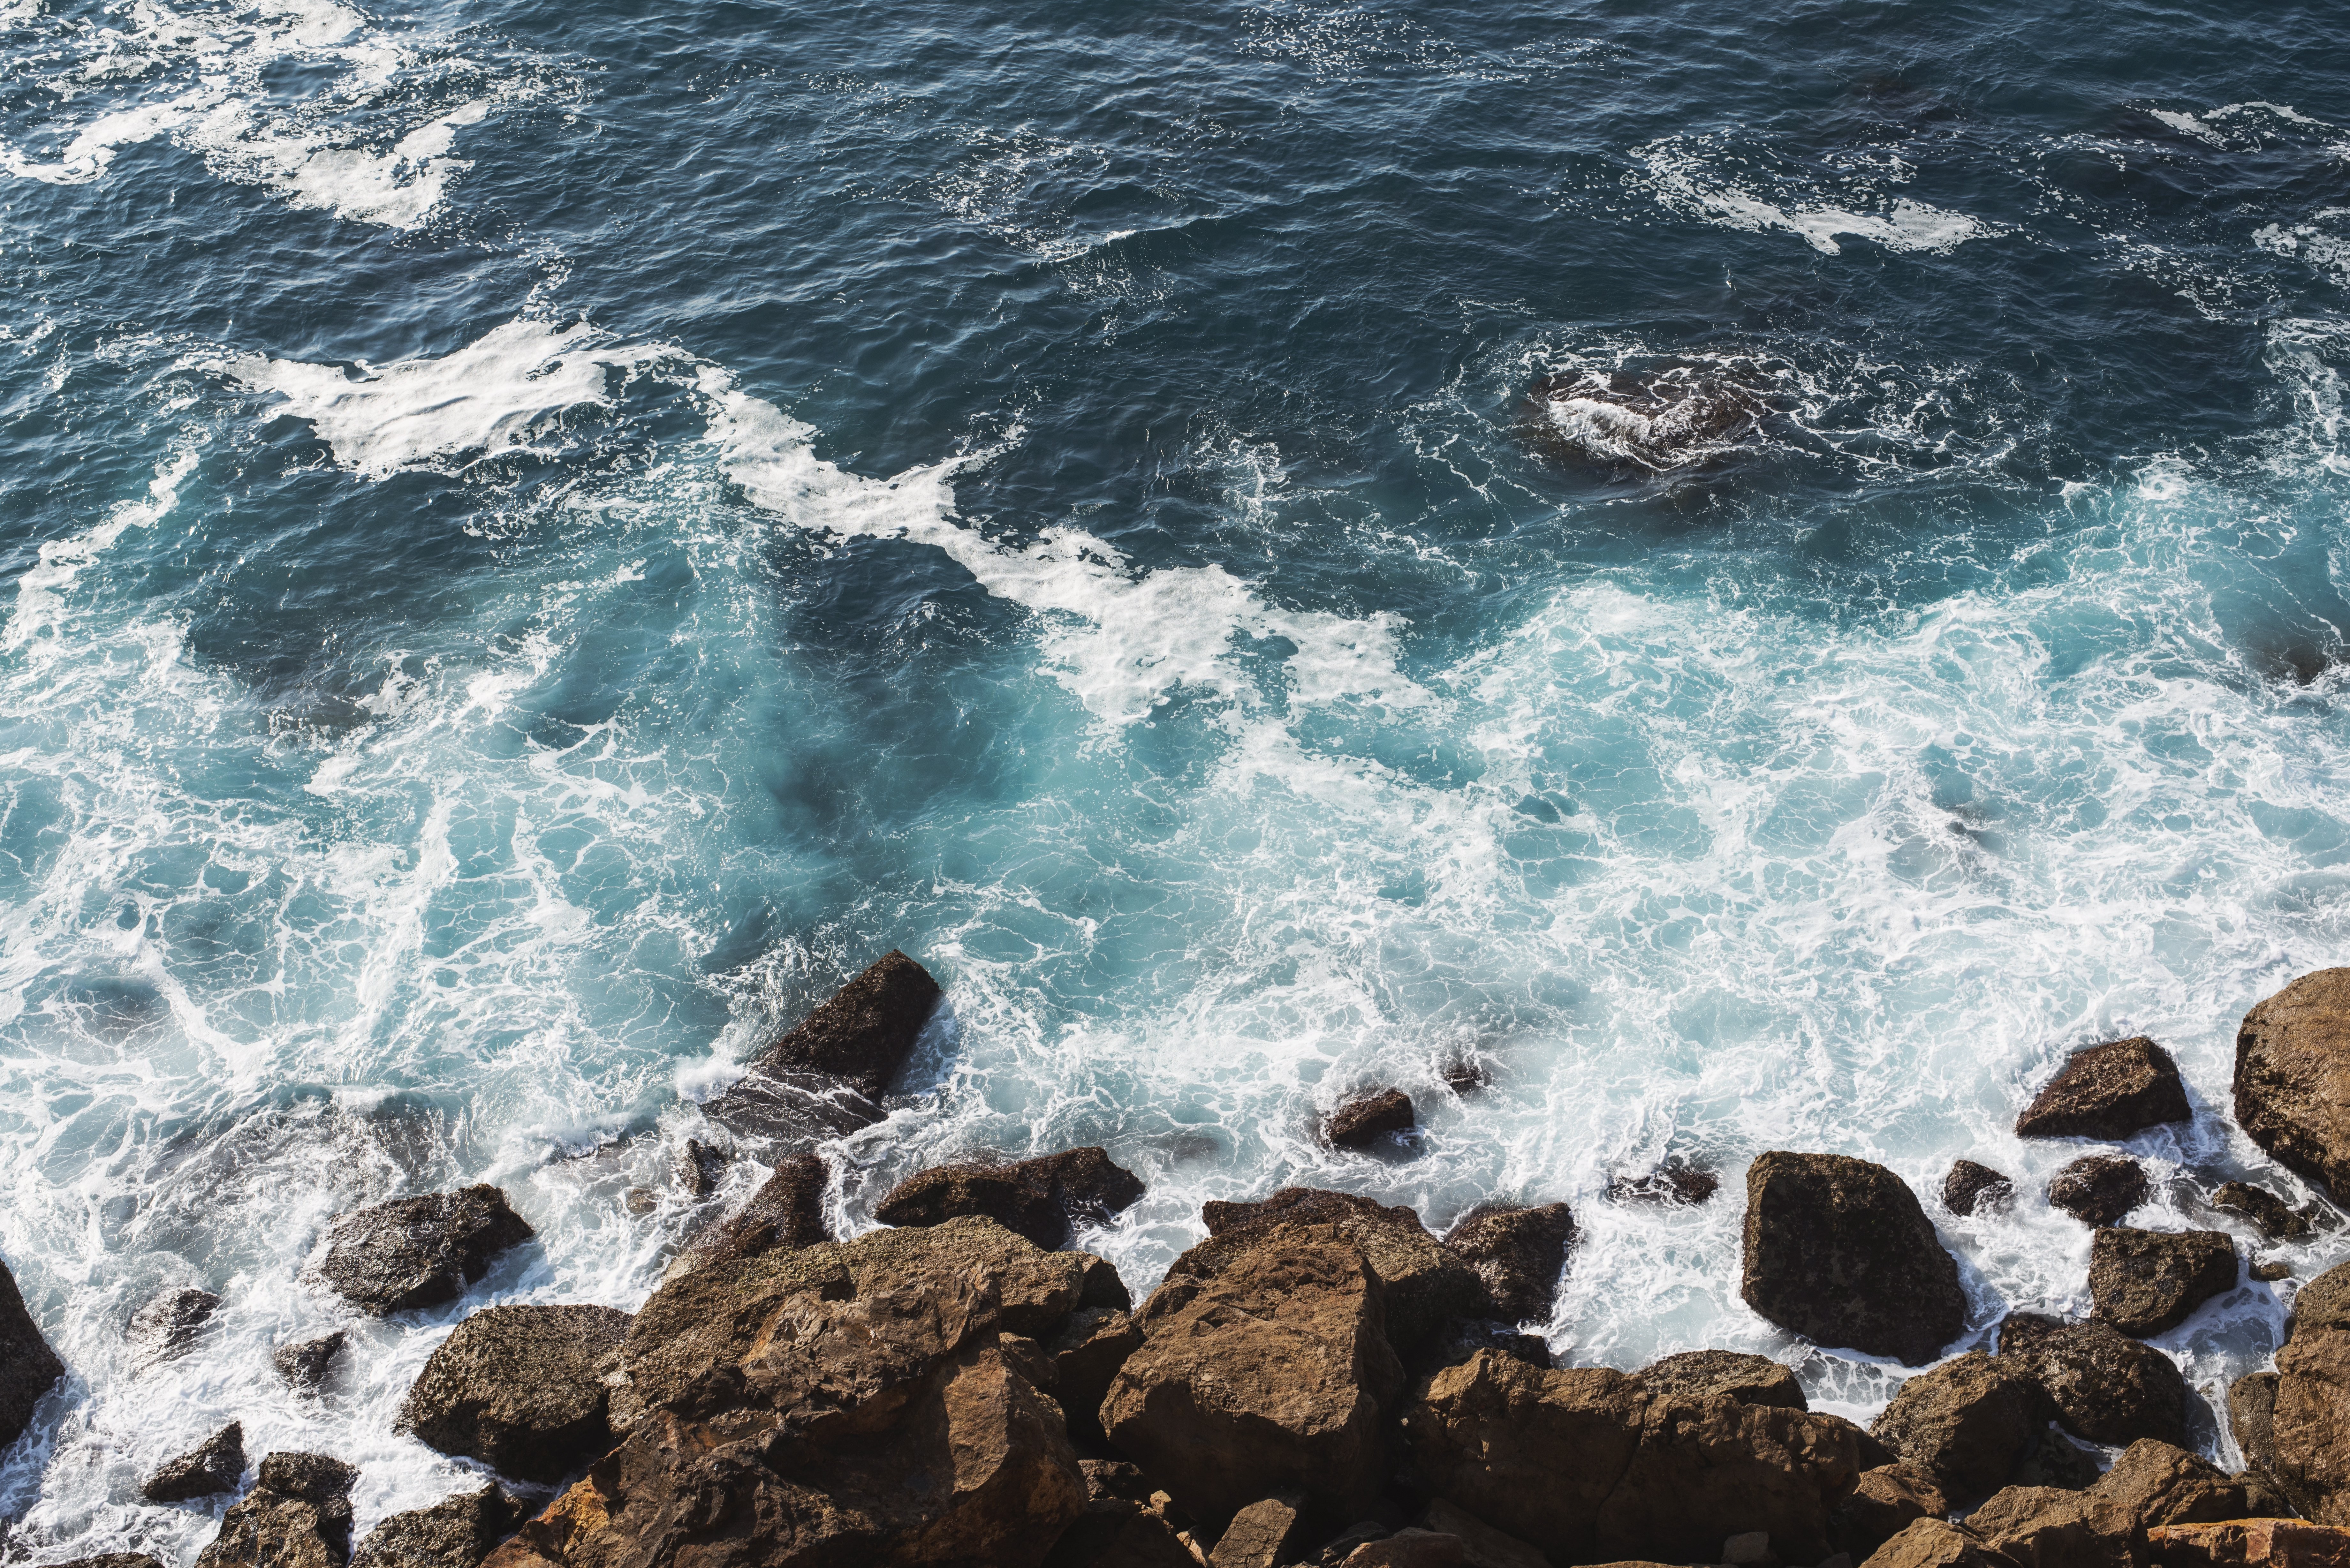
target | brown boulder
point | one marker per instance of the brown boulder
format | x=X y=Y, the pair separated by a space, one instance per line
x=2057 y=1461
x=521 y=1388
x=1366 y=1118
x=420 y=1251
x=2293 y=1077
x=297 y=1515
x=2042 y=1527
x=1082 y=1359
x=458 y=1532
x=1410 y=1548
x=2248 y=1543
x=2107 y=1388
x=1710 y=1467
x=1265 y=1534
x=2099 y=1188
x=827 y=1074
x=1043 y=1199
x=2145 y=1282
x=1483 y=1546
x=1427 y=1283
x=2251 y=1416
x=1122 y=1525
x=212 y=1466
x=1462 y=1337
x=2109 y=1091
x=2307 y=1438
x=1885 y=1502
x=786 y=1212
x=307 y=1365
x=2157 y=1483
x=1970 y=1186
x=1966 y=1423
x=1519 y=1254
x=1838 y=1251
x=29 y=1367
x=168 y=1326
x=1749 y=1379
x=1936 y=1543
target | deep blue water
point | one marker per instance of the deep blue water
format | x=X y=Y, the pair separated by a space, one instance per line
x=544 y=538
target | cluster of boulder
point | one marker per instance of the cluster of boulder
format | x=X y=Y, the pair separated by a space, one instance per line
x=1321 y=1380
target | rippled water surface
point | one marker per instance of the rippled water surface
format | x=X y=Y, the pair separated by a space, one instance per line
x=544 y=538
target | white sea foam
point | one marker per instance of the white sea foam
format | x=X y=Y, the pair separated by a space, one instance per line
x=1682 y=176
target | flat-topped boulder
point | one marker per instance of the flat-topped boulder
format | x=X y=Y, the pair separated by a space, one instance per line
x=1966 y=1424
x=1838 y=1251
x=827 y=1073
x=2293 y=1077
x=2107 y=1388
x=297 y=1515
x=1970 y=1186
x=1747 y=1379
x=1043 y=1198
x=1519 y=1252
x=2099 y=1188
x=2157 y=1483
x=458 y=1532
x=29 y=1367
x=2145 y=1282
x=420 y=1251
x=2109 y=1091
x=521 y=1388
x=1427 y=1284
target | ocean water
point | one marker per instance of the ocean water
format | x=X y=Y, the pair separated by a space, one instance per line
x=542 y=539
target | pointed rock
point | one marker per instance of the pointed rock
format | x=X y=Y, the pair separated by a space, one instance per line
x=2099 y=1188
x=170 y=1322
x=29 y=1367
x=2109 y=1091
x=458 y=1532
x=1970 y=1186
x=785 y=1214
x=306 y=1365
x=297 y=1515
x=1520 y=1253
x=2293 y=1077
x=1043 y=1198
x=827 y=1073
x=213 y=1466
x=1365 y=1120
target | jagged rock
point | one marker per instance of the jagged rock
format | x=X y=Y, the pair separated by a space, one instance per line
x=1265 y=1534
x=2249 y=1543
x=1675 y=1182
x=1749 y=1379
x=1274 y=1373
x=2055 y=1460
x=2293 y=1077
x=297 y=1515
x=1885 y=1501
x=2157 y=1483
x=1838 y=1251
x=2042 y=1527
x=827 y=1074
x=846 y=1403
x=1409 y=1548
x=2270 y=1272
x=1427 y=1283
x=1043 y=1199
x=1084 y=1358
x=520 y=1388
x=1965 y=1424
x=1970 y=1186
x=2107 y=1388
x=2109 y=1091
x=114 y=1560
x=29 y=1367
x=1366 y=1118
x=1462 y=1337
x=1519 y=1254
x=2099 y=1188
x=701 y=1168
x=1936 y=1543
x=1102 y=1287
x=458 y=1532
x=306 y=1365
x=2252 y=1416
x=786 y=1212
x=2145 y=1282
x=1483 y=1546
x=420 y=1251
x=1120 y=1527
x=170 y=1322
x=2265 y=1210
x=2292 y=1428
x=1711 y=1466
x=214 y=1465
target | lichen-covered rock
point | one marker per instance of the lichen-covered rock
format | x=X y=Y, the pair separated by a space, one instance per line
x=1885 y=1501
x=1427 y=1283
x=2109 y=1091
x=29 y=1367
x=458 y=1532
x=297 y=1515
x=2099 y=1188
x=2293 y=1077
x=1965 y=1424
x=521 y=1388
x=1970 y=1186
x=213 y=1466
x=1367 y=1117
x=1749 y=1379
x=2145 y=1282
x=786 y=1212
x=827 y=1074
x=306 y=1365
x=1519 y=1252
x=1838 y=1251
x=420 y=1251
x=168 y=1325
x=2107 y=1388
x=1043 y=1198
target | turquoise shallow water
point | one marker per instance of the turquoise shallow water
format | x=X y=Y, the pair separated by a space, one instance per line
x=543 y=542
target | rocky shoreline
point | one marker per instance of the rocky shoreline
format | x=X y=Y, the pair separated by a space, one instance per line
x=1321 y=1380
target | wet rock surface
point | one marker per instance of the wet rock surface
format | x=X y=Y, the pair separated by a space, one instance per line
x=1427 y=1284
x=1663 y=420
x=521 y=1388
x=169 y=1324
x=1519 y=1252
x=308 y=1365
x=786 y=1212
x=1970 y=1186
x=29 y=1367
x=2270 y=1214
x=2109 y=1091
x=420 y=1251
x=1675 y=1182
x=213 y=1466
x=1966 y=1424
x=1838 y=1251
x=827 y=1074
x=1368 y=1117
x=458 y=1532
x=2099 y=1188
x=2293 y=1077
x=1043 y=1198
x=2107 y=1387
x=297 y=1515
x=2145 y=1282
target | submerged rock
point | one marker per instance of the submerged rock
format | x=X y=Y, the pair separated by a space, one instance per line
x=213 y=1466
x=2145 y=1282
x=1426 y=1282
x=521 y=1388
x=2109 y=1091
x=2099 y=1188
x=2107 y=1388
x=29 y=1367
x=1966 y=1424
x=2275 y=1219
x=1677 y=417
x=1043 y=1198
x=420 y=1251
x=297 y=1515
x=701 y=1168
x=1675 y=1182
x=1837 y=1250
x=828 y=1072
x=1749 y=1379
x=306 y=1365
x=458 y=1532
x=1365 y=1120
x=2293 y=1077
x=167 y=1327
x=1970 y=1186
x=1518 y=1252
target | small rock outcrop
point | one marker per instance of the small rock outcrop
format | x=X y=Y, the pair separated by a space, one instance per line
x=1124 y=1524
x=29 y=1367
x=306 y=1365
x=2145 y=1282
x=2109 y=1091
x=1267 y=1534
x=1966 y=1424
x=1483 y=1545
x=521 y=1388
x=1970 y=1186
x=2099 y=1188
x=167 y=1327
x=213 y=1466
x=827 y=1074
x=701 y=1168
x=2293 y=1077
x=114 y=1560
x=1043 y=1198
x=1936 y=1543
x=786 y=1213
x=1676 y=1182
x=2270 y=1214
x=2107 y=1388
x=297 y=1515
x=1367 y=1119
x=1427 y=1283
x=458 y=1532
x=420 y=1251
x=1747 y=1379
x=2057 y=1461
x=1519 y=1254
x=1838 y=1251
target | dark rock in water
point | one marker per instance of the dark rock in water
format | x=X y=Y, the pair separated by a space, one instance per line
x=1363 y=1120
x=305 y=1366
x=1681 y=417
x=2268 y=1272
x=1675 y=1181
x=2099 y=1188
x=1966 y=1424
x=829 y=1072
x=2293 y=1077
x=785 y=1214
x=1838 y=1251
x=168 y=1325
x=29 y=1367
x=420 y=1251
x=1426 y=1282
x=1463 y=1337
x=2143 y=1282
x=297 y=1515
x=1749 y=1379
x=1465 y=1075
x=700 y=1168
x=1041 y=1198
x=2107 y=1388
x=2109 y=1091
x=1970 y=1186
x=2055 y=1460
x=521 y=1388
x=458 y=1532
x=2264 y=1208
x=1518 y=1252
x=214 y=1465
x=1887 y=1499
